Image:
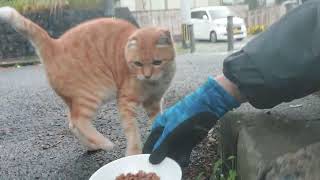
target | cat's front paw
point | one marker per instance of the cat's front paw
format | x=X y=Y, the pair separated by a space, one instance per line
x=106 y=145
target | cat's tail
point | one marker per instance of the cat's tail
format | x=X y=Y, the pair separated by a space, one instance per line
x=37 y=35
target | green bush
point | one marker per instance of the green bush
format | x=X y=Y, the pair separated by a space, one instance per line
x=35 y=5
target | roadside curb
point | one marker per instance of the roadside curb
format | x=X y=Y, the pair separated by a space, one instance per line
x=20 y=61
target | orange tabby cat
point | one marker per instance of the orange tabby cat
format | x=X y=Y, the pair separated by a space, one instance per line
x=98 y=60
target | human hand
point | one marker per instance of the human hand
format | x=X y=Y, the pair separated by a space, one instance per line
x=180 y=128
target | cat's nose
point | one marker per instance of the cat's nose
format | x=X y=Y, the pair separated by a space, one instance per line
x=147 y=77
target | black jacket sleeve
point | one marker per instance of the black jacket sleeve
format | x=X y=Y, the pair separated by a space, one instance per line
x=282 y=63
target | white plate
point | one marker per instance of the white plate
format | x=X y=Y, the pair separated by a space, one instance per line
x=168 y=169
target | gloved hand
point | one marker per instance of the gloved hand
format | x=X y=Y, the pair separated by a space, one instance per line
x=181 y=127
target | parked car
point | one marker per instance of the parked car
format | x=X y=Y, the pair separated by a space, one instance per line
x=210 y=23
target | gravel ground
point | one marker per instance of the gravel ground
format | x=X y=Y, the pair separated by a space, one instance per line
x=35 y=142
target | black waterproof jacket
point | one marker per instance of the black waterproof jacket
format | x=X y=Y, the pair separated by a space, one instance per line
x=282 y=63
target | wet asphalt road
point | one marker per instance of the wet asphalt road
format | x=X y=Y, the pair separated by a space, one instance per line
x=35 y=142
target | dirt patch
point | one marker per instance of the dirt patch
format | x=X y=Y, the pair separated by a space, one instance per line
x=202 y=158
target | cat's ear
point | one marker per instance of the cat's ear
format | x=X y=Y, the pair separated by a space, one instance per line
x=132 y=44
x=164 y=38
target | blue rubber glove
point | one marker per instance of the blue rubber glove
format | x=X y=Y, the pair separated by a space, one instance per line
x=181 y=127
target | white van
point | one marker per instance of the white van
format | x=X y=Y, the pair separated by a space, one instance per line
x=210 y=23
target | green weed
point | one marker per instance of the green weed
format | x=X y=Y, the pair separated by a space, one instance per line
x=218 y=173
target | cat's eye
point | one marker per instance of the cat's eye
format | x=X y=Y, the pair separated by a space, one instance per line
x=137 y=63
x=157 y=62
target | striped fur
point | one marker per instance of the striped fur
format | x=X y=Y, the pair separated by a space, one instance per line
x=99 y=60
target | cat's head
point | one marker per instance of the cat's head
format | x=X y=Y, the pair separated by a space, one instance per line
x=149 y=51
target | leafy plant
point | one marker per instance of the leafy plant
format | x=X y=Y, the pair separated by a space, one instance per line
x=219 y=174
x=256 y=29
x=200 y=176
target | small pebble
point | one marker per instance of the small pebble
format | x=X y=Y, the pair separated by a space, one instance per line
x=45 y=147
x=211 y=139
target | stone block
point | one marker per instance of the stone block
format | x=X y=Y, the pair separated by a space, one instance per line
x=259 y=138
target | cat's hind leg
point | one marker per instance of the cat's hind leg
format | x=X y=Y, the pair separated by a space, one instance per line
x=82 y=111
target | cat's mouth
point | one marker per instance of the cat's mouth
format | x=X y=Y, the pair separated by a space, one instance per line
x=149 y=79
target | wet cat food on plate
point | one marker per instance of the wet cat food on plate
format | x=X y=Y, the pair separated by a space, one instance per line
x=141 y=175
